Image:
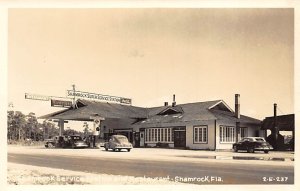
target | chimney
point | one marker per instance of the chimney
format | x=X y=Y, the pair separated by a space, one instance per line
x=174 y=102
x=275 y=110
x=275 y=130
x=166 y=103
x=275 y=116
x=237 y=106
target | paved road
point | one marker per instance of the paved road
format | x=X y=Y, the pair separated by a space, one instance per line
x=176 y=171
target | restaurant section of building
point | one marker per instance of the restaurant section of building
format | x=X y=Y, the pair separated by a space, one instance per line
x=210 y=125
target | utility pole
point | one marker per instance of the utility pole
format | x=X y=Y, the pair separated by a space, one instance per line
x=275 y=127
x=74 y=98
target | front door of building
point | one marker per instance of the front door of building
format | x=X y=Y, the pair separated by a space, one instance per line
x=179 y=138
x=142 y=139
x=136 y=139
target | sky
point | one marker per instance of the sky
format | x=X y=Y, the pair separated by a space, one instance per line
x=150 y=54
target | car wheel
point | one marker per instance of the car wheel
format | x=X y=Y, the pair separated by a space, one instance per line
x=235 y=148
x=106 y=149
x=114 y=150
x=128 y=150
x=50 y=145
x=266 y=152
x=46 y=146
x=250 y=150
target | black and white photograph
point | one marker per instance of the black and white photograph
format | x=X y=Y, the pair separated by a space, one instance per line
x=151 y=96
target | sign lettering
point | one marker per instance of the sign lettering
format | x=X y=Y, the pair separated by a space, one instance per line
x=60 y=103
x=86 y=95
x=37 y=97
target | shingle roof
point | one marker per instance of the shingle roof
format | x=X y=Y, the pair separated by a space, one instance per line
x=106 y=110
x=225 y=115
x=188 y=112
x=199 y=111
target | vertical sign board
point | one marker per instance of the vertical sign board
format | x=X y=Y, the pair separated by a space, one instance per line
x=97 y=119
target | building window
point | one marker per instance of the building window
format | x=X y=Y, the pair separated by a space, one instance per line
x=155 y=135
x=244 y=132
x=158 y=135
x=152 y=134
x=200 y=134
x=227 y=134
x=166 y=134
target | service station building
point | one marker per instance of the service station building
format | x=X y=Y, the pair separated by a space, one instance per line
x=210 y=125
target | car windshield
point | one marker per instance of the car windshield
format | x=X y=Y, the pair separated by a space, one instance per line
x=122 y=139
x=260 y=139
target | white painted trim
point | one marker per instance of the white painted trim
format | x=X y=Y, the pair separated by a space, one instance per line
x=219 y=103
x=167 y=110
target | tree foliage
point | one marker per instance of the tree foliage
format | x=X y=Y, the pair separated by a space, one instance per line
x=22 y=127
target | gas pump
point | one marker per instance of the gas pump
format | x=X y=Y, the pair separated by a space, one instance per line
x=96 y=128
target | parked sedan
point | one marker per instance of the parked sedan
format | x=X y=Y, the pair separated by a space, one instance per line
x=118 y=142
x=252 y=144
x=74 y=141
x=49 y=143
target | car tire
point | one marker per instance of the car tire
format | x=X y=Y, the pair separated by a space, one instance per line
x=128 y=150
x=235 y=149
x=50 y=145
x=266 y=152
x=114 y=150
x=106 y=149
x=250 y=150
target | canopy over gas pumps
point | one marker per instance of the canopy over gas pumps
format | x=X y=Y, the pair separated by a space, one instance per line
x=277 y=124
x=95 y=111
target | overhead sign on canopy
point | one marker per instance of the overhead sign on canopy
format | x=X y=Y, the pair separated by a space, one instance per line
x=60 y=103
x=94 y=96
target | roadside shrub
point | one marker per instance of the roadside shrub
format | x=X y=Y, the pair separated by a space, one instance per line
x=25 y=143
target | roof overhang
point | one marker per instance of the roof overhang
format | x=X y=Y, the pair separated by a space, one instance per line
x=221 y=102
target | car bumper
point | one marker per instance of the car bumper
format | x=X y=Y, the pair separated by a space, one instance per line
x=263 y=148
x=123 y=147
x=81 y=146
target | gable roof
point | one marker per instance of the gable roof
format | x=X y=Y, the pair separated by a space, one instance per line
x=107 y=110
x=199 y=111
x=225 y=115
x=170 y=109
x=221 y=105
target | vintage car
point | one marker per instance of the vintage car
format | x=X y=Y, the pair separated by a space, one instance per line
x=252 y=144
x=118 y=142
x=49 y=143
x=99 y=142
x=73 y=141
x=56 y=141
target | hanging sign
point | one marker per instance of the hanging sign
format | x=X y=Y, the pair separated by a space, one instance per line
x=60 y=103
x=37 y=97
